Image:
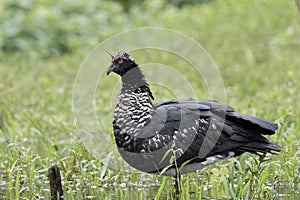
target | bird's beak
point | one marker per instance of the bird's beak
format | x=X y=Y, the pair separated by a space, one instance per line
x=110 y=69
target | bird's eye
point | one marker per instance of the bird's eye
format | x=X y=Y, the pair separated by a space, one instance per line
x=120 y=61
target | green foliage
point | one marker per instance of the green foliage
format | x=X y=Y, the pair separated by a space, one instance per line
x=254 y=43
x=51 y=28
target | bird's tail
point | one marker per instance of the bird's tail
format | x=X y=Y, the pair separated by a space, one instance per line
x=249 y=131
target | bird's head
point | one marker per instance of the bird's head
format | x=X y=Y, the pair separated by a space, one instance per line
x=121 y=63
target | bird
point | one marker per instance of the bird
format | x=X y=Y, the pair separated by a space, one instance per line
x=179 y=136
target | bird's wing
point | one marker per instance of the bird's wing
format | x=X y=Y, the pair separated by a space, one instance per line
x=178 y=121
x=204 y=128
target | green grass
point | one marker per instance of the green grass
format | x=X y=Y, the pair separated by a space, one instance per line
x=255 y=45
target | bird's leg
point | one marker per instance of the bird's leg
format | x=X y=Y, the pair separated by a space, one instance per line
x=177 y=183
x=176 y=186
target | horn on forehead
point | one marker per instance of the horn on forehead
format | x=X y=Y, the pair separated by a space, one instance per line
x=109 y=53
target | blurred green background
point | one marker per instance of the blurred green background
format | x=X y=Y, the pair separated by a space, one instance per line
x=255 y=44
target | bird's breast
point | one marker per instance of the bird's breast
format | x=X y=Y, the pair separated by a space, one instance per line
x=132 y=112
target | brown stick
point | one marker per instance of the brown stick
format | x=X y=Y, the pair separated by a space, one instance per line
x=55 y=183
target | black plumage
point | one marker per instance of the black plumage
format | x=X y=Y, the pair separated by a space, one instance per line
x=179 y=136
